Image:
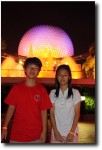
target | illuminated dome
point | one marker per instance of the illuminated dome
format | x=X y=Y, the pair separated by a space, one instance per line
x=51 y=44
x=45 y=41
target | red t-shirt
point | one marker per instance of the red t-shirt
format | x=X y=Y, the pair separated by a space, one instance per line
x=28 y=102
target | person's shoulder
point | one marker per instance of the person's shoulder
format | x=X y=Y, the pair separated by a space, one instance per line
x=52 y=91
x=40 y=87
x=75 y=90
x=52 y=95
x=17 y=85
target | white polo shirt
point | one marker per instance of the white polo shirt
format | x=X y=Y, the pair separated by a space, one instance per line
x=64 y=109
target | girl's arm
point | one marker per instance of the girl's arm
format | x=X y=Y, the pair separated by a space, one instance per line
x=53 y=122
x=76 y=118
x=70 y=136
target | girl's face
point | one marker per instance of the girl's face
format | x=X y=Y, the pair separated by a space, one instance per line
x=63 y=76
x=32 y=71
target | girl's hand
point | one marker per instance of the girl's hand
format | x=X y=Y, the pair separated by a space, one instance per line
x=69 y=138
x=58 y=137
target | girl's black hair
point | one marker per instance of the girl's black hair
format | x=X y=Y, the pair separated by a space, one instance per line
x=32 y=60
x=57 y=84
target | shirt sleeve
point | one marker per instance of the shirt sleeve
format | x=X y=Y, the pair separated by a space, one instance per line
x=46 y=103
x=52 y=96
x=11 y=98
x=77 y=96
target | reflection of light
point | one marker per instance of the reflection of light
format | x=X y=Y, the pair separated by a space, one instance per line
x=82 y=98
x=45 y=41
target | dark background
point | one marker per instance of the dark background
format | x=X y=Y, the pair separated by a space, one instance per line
x=77 y=19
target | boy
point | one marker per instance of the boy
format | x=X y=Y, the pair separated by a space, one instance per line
x=28 y=101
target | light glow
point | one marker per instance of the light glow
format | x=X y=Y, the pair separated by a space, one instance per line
x=10 y=68
x=82 y=98
x=45 y=41
x=51 y=45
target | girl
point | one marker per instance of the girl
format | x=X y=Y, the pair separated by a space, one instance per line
x=65 y=112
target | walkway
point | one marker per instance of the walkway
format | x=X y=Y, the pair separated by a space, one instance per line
x=86 y=132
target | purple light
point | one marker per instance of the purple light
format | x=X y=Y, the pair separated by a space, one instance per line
x=44 y=41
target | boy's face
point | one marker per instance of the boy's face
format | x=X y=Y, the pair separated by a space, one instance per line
x=32 y=71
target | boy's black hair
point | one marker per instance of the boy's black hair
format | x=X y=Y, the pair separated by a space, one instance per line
x=57 y=84
x=32 y=60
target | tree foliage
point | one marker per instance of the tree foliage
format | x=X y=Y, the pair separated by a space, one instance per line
x=89 y=104
x=89 y=66
x=3 y=44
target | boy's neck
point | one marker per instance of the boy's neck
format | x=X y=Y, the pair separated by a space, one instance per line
x=30 y=82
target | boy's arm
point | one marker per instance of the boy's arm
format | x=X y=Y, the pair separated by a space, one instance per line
x=44 y=124
x=9 y=114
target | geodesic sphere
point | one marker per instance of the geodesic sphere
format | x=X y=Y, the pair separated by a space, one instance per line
x=45 y=41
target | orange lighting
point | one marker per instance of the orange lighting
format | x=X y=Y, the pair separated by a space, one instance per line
x=10 y=68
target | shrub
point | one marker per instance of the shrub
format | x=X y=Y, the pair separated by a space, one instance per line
x=89 y=104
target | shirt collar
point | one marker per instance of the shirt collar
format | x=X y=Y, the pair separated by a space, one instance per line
x=65 y=93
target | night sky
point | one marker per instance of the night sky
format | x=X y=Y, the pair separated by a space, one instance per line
x=77 y=19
